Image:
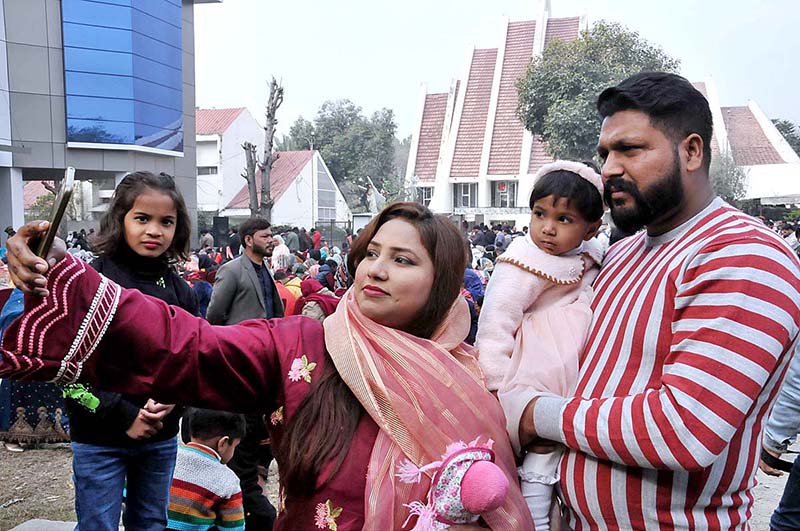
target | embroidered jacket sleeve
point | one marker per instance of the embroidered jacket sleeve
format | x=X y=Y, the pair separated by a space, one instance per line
x=171 y=355
x=734 y=326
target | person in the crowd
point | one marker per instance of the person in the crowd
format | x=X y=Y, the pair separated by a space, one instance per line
x=282 y=258
x=316 y=238
x=234 y=247
x=326 y=274
x=127 y=442
x=31 y=413
x=244 y=289
x=781 y=431
x=695 y=320
x=206 y=239
x=202 y=290
x=317 y=302
x=473 y=284
x=306 y=242
x=537 y=311
x=288 y=298
x=292 y=240
x=383 y=387
x=788 y=232
x=205 y=494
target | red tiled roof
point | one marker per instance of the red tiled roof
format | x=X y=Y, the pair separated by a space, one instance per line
x=506 y=147
x=215 y=121
x=284 y=172
x=749 y=143
x=469 y=142
x=539 y=156
x=31 y=192
x=430 y=136
x=701 y=87
x=566 y=29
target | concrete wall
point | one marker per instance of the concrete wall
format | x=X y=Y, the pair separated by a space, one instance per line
x=296 y=206
x=233 y=161
x=209 y=187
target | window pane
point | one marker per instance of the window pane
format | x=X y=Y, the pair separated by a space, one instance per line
x=78 y=59
x=156 y=51
x=83 y=84
x=157 y=72
x=107 y=109
x=157 y=94
x=98 y=131
x=157 y=29
x=96 y=14
x=95 y=38
x=156 y=116
x=162 y=9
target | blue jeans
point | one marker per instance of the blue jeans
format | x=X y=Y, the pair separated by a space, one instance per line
x=787 y=516
x=100 y=474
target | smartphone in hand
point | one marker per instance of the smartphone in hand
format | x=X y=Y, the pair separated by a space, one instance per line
x=57 y=214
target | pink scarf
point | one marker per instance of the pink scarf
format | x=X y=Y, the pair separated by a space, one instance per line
x=424 y=395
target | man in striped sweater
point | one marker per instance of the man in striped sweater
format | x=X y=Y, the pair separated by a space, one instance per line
x=205 y=494
x=695 y=321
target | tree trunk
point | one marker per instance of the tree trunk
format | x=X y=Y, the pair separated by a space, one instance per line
x=250 y=176
x=275 y=100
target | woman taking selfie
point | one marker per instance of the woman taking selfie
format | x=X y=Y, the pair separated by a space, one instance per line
x=361 y=406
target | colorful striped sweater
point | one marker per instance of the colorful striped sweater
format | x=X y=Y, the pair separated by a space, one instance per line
x=205 y=494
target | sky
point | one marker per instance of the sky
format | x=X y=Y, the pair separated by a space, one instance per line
x=378 y=53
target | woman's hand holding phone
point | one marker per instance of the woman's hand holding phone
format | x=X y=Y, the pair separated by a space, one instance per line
x=25 y=268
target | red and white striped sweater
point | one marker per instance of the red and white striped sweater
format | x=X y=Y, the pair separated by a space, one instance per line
x=691 y=336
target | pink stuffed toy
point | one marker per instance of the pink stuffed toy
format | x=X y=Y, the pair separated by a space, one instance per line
x=466 y=483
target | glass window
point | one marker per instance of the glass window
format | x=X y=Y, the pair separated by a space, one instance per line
x=465 y=195
x=95 y=13
x=83 y=84
x=100 y=61
x=97 y=38
x=123 y=71
x=424 y=195
x=206 y=170
x=504 y=194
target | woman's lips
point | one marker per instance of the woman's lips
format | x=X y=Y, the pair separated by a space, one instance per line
x=374 y=291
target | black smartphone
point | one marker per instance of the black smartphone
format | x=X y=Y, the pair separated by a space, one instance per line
x=59 y=208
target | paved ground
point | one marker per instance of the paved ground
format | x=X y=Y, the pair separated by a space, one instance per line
x=767 y=494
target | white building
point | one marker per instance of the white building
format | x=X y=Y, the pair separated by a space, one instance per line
x=470 y=155
x=302 y=189
x=220 y=157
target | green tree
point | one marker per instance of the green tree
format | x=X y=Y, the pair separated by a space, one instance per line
x=353 y=146
x=557 y=94
x=790 y=132
x=728 y=180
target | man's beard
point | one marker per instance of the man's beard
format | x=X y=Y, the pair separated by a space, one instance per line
x=263 y=252
x=659 y=199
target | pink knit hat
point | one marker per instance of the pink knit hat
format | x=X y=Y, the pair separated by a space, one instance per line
x=578 y=168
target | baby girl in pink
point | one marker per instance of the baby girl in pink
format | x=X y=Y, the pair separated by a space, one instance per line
x=536 y=313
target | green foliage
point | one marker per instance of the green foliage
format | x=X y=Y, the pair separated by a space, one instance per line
x=728 y=180
x=557 y=94
x=353 y=146
x=790 y=132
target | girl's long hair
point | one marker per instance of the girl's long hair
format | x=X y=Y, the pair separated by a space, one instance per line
x=112 y=224
x=322 y=429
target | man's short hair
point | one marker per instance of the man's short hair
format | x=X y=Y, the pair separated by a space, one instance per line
x=674 y=106
x=207 y=423
x=253 y=225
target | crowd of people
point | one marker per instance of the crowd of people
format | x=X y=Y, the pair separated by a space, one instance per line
x=584 y=372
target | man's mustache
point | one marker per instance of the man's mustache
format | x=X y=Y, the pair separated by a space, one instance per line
x=618 y=184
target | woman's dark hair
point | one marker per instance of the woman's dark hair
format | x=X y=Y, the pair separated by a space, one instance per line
x=445 y=246
x=112 y=224
x=322 y=429
x=578 y=192
x=671 y=102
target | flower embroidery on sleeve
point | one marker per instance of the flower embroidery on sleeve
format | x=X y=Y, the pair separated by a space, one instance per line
x=301 y=369
x=326 y=516
x=277 y=416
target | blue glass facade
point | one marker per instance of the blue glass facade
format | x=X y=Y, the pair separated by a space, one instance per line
x=123 y=72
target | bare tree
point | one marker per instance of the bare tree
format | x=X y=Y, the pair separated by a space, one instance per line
x=275 y=100
x=249 y=174
x=263 y=207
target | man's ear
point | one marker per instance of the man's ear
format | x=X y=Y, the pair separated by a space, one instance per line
x=222 y=442
x=591 y=231
x=693 y=148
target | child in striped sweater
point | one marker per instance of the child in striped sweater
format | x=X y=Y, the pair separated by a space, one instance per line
x=205 y=494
